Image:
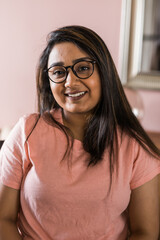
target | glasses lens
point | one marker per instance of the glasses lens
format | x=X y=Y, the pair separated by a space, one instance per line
x=57 y=73
x=83 y=69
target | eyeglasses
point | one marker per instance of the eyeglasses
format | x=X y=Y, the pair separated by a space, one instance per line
x=82 y=69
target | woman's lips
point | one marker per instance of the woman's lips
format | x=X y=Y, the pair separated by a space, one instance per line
x=75 y=95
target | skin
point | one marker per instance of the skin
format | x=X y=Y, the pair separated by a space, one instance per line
x=144 y=211
x=9 y=207
x=75 y=111
x=144 y=204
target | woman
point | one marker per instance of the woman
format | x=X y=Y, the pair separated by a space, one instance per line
x=83 y=168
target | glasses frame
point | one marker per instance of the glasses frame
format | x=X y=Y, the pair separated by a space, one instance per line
x=72 y=68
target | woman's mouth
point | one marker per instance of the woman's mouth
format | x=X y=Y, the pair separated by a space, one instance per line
x=76 y=95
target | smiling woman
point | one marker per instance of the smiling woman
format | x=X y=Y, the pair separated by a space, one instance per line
x=79 y=88
x=83 y=167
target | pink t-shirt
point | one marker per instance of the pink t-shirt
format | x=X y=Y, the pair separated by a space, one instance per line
x=58 y=203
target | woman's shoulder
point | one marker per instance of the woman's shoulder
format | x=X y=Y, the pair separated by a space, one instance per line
x=128 y=145
x=57 y=114
x=43 y=123
x=21 y=129
x=27 y=121
x=124 y=138
x=28 y=118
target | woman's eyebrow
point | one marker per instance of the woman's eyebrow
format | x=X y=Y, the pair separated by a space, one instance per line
x=81 y=59
x=74 y=61
x=56 y=64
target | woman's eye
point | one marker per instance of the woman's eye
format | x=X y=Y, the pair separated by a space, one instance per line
x=59 y=72
x=83 y=68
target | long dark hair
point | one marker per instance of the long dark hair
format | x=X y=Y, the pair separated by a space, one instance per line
x=112 y=112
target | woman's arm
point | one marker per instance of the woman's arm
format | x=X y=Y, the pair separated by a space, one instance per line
x=144 y=212
x=159 y=202
x=9 y=206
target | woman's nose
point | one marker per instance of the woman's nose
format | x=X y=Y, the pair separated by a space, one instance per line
x=71 y=79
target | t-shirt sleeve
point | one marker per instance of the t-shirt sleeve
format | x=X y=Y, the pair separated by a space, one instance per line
x=11 y=157
x=145 y=167
x=14 y=158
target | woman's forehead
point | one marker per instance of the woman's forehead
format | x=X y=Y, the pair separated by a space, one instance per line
x=64 y=52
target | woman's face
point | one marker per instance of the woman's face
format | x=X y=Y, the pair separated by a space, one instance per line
x=74 y=95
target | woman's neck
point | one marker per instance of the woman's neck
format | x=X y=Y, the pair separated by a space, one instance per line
x=76 y=123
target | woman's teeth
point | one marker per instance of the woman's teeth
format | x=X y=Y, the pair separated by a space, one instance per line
x=76 y=94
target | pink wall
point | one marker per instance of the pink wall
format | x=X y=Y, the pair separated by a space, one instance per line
x=146 y=104
x=24 y=26
x=151 y=106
